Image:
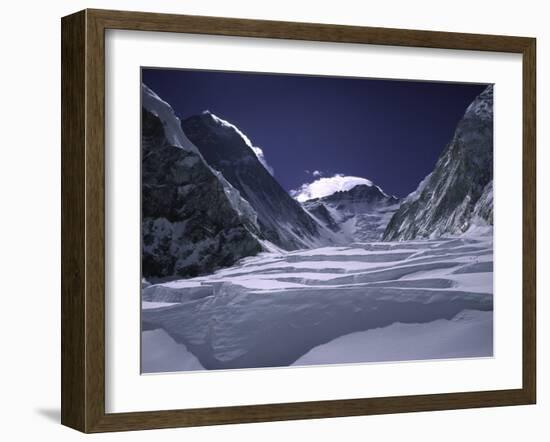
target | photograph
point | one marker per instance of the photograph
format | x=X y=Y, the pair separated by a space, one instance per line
x=295 y=220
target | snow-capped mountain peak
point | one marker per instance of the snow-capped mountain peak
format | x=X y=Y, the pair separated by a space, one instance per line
x=327 y=186
x=354 y=208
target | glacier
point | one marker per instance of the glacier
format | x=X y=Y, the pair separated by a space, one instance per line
x=426 y=298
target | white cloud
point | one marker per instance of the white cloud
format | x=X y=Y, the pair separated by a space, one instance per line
x=327 y=186
x=257 y=150
x=317 y=173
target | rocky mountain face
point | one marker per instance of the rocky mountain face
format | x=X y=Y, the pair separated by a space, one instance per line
x=193 y=220
x=282 y=220
x=356 y=215
x=458 y=194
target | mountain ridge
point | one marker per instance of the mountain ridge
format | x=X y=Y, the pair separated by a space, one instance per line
x=282 y=220
x=193 y=220
x=457 y=194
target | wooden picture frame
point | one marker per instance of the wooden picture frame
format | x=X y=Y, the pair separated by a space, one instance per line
x=83 y=220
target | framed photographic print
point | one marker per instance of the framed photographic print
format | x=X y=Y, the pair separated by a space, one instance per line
x=269 y=220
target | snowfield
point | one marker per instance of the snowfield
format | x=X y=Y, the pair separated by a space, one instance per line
x=468 y=334
x=368 y=302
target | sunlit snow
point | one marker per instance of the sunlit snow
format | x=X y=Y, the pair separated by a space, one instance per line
x=369 y=302
x=257 y=150
x=326 y=186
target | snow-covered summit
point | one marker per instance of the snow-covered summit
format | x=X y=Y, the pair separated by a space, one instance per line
x=327 y=186
x=358 y=214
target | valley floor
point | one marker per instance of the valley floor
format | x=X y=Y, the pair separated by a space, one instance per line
x=368 y=302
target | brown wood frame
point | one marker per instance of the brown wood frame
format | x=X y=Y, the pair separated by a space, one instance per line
x=83 y=217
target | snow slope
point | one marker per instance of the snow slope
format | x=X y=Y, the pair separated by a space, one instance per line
x=468 y=334
x=161 y=354
x=358 y=212
x=272 y=309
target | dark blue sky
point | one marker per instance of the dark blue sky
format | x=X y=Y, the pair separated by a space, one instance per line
x=390 y=132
